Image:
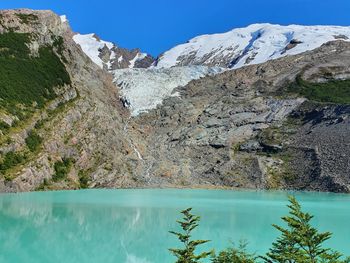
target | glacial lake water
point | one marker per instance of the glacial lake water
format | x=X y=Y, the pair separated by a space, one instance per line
x=131 y=226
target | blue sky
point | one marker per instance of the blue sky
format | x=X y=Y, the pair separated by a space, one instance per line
x=157 y=25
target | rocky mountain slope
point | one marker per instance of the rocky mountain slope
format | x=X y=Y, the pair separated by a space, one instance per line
x=64 y=131
x=251 y=127
x=88 y=120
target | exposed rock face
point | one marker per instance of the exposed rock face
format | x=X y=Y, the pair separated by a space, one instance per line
x=125 y=58
x=196 y=139
x=322 y=148
x=85 y=123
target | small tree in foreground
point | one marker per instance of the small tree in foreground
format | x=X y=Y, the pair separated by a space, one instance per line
x=235 y=255
x=187 y=254
x=300 y=242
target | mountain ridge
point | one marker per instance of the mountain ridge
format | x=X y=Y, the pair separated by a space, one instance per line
x=109 y=56
x=281 y=124
x=254 y=44
x=201 y=56
x=242 y=46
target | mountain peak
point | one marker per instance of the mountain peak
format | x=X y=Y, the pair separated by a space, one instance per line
x=254 y=44
x=109 y=56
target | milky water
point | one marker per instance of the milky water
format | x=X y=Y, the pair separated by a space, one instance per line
x=131 y=226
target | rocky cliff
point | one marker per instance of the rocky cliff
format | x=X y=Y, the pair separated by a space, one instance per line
x=66 y=122
x=252 y=127
x=75 y=136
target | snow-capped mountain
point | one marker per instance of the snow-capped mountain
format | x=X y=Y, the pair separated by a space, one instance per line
x=229 y=130
x=254 y=44
x=239 y=47
x=109 y=56
x=143 y=89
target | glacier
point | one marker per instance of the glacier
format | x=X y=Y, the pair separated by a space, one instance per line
x=144 y=89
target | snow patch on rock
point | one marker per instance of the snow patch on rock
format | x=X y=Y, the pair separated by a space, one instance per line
x=92 y=46
x=63 y=18
x=138 y=57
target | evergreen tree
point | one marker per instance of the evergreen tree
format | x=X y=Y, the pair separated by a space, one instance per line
x=300 y=242
x=235 y=255
x=187 y=254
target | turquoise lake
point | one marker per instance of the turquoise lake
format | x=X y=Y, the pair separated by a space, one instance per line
x=131 y=226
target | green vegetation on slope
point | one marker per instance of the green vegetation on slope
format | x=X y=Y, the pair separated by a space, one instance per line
x=83 y=179
x=62 y=169
x=33 y=141
x=333 y=91
x=4 y=127
x=58 y=44
x=27 y=18
x=272 y=139
x=299 y=243
x=10 y=160
x=26 y=79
